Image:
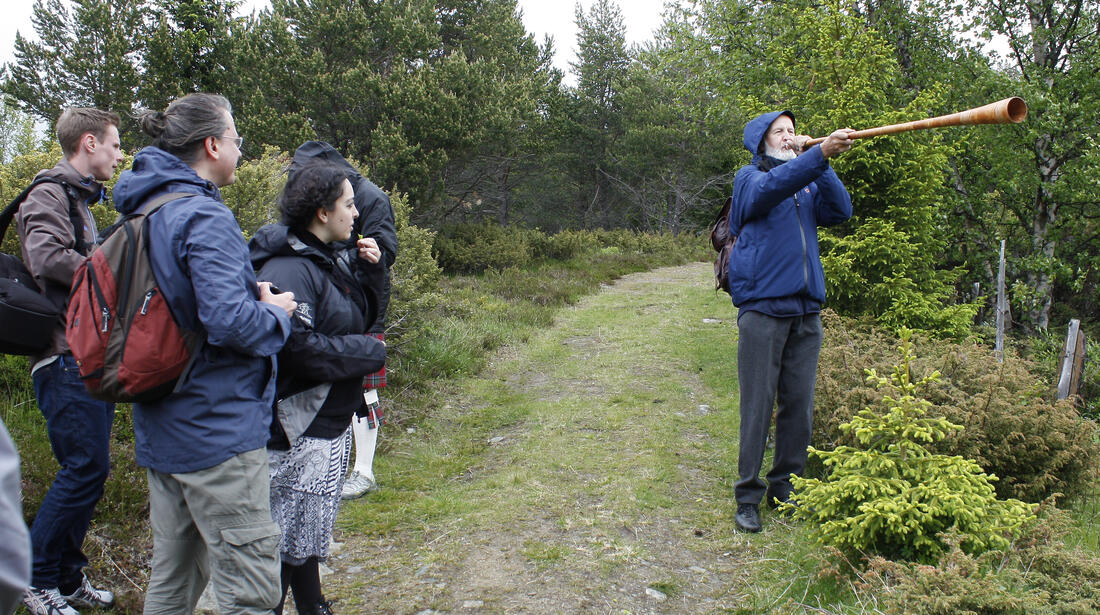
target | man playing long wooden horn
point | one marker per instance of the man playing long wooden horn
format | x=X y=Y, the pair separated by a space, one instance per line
x=778 y=285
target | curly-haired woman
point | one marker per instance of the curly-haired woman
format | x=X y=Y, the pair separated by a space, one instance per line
x=321 y=369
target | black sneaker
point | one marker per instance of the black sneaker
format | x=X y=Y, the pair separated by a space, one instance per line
x=89 y=596
x=748 y=517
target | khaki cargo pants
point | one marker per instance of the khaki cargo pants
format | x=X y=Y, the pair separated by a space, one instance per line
x=214 y=524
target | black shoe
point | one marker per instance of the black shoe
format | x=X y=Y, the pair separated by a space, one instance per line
x=748 y=517
x=775 y=499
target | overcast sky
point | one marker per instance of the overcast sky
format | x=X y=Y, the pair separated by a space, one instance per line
x=541 y=17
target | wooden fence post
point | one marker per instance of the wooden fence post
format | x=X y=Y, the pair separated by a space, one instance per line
x=1073 y=361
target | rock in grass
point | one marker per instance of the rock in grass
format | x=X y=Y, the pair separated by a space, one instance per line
x=659 y=596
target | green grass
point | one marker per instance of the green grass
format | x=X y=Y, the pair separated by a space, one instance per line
x=539 y=433
x=585 y=452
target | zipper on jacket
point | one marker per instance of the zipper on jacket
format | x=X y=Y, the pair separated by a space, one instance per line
x=145 y=304
x=805 y=255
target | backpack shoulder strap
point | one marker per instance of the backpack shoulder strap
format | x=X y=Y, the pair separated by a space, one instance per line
x=9 y=212
x=153 y=205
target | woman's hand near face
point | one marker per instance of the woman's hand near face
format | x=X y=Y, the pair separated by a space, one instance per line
x=369 y=250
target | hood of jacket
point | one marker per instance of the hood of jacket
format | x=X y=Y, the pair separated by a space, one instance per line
x=277 y=240
x=757 y=129
x=274 y=240
x=154 y=172
x=367 y=193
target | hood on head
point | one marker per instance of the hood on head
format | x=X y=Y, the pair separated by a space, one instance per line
x=757 y=129
x=155 y=171
x=319 y=152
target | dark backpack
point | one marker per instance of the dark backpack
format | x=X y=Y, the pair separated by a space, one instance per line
x=121 y=331
x=27 y=316
x=722 y=241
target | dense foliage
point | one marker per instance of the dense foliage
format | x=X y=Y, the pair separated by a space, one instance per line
x=1038 y=575
x=454 y=104
x=1010 y=424
x=892 y=496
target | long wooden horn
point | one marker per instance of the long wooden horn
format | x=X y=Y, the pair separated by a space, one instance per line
x=1008 y=111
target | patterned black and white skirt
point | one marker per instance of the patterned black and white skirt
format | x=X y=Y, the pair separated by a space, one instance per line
x=305 y=494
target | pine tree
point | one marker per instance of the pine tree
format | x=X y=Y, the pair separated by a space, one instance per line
x=87 y=58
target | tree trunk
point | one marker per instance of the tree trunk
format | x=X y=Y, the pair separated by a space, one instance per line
x=1046 y=211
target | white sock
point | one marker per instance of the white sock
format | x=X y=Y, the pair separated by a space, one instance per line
x=365 y=441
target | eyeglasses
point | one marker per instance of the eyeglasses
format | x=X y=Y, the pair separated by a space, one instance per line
x=238 y=141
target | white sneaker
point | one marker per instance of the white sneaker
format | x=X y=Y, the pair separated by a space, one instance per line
x=356 y=486
x=46 y=602
x=89 y=596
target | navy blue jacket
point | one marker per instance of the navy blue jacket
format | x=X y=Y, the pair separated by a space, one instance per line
x=200 y=260
x=775 y=267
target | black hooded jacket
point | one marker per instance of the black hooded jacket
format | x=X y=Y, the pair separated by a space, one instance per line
x=375 y=220
x=328 y=341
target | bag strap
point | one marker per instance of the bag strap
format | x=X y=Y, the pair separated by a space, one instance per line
x=153 y=205
x=9 y=212
x=146 y=210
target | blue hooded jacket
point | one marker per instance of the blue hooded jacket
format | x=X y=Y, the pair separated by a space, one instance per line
x=200 y=260
x=775 y=267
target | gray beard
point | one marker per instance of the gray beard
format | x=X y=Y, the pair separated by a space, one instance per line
x=780 y=154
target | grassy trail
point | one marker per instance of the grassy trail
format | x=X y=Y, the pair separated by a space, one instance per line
x=588 y=470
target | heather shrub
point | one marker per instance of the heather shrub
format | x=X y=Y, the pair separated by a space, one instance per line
x=1011 y=428
x=484 y=246
x=1037 y=575
x=567 y=244
x=889 y=494
x=472 y=248
x=415 y=282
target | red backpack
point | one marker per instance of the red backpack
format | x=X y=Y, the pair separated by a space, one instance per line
x=120 y=329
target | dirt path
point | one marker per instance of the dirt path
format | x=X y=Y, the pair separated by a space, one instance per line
x=603 y=454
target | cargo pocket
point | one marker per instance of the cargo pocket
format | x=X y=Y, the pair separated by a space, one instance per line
x=250 y=565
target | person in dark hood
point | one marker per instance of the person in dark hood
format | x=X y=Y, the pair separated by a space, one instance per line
x=778 y=285
x=375 y=243
x=204 y=445
x=321 y=369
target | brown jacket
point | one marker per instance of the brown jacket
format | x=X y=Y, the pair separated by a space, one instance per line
x=48 y=240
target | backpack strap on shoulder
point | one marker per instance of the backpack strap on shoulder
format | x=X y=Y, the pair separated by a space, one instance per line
x=152 y=205
x=9 y=212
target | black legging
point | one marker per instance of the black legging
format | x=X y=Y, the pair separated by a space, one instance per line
x=305 y=582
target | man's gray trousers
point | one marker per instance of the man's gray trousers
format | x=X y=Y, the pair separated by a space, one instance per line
x=776 y=365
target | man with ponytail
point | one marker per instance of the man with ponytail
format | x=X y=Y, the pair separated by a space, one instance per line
x=203 y=446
